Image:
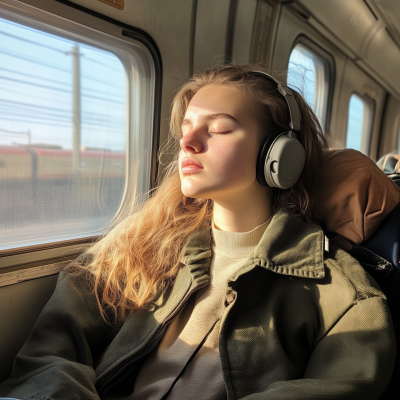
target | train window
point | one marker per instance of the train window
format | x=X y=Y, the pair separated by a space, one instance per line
x=309 y=73
x=76 y=115
x=359 y=123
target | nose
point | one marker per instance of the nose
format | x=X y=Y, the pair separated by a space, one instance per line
x=192 y=141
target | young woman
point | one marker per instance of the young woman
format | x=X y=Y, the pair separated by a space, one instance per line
x=219 y=286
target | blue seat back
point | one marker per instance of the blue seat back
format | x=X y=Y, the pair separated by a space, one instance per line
x=386 y=240
x=386 y=243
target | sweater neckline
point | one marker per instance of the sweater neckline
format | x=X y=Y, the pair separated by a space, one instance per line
x=237 y=242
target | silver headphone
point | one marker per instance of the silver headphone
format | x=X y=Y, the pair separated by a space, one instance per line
x=282 y=157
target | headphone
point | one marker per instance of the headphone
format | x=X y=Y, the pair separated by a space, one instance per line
x=282 y=157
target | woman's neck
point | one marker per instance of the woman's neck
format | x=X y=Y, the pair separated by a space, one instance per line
x=241 y=214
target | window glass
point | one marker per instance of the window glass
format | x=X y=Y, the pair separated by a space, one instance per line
x=309 y=74
x=63 y=135
x=359 y=123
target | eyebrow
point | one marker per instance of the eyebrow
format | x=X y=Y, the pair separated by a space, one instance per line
x=212 y=116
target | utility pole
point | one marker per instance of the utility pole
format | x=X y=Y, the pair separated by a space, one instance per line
x=76 y=111
x=28 y=134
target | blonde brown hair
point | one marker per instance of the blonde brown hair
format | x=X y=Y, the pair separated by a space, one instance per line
x=141 y=256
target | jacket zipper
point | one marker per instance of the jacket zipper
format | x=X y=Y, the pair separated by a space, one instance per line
x=150 y=347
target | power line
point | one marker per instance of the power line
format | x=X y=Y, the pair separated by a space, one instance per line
x=34 y=76
x=52 y=48
x=87 y=126
x=13 y=132
x=58 y=118
x=32 y=96
x=36 y=122
x=60 y=124
x=93 y=120
x=35 y=84
x=32 y=106
x=14 y=91
x=54 y=81
x=27 y=107
x=49 y=117
x=49 y=65
x=33 y=60
x=21 y=115
x=30 y=41
x=61 y=90
x=31 y=113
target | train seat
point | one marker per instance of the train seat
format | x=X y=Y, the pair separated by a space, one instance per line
x=390 y=163
x=380 y=255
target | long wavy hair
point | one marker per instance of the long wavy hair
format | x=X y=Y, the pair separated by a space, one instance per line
x=140 y=256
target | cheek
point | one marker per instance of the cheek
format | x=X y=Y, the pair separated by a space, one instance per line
x=236 y=164
x=180 y=158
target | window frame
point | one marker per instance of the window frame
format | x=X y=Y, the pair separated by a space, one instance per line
x=130 y=36
x=330 y=62
x=398 y=136
x=368 y=102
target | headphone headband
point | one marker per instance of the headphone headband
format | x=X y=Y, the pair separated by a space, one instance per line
x=295 y=116
x=281 y=159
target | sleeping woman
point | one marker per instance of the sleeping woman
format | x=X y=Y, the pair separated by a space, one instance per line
x=219 y=286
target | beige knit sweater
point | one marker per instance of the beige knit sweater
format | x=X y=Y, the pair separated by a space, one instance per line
x=202 y=378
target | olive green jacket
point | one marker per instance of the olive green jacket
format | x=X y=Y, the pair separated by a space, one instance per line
x=299 y=323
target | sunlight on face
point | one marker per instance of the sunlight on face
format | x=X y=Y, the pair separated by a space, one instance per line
x=221 y=137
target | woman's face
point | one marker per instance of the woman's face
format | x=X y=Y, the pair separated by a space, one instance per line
x=221 y=136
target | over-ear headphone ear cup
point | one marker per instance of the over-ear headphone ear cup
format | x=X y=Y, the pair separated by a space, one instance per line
x=284 y=162
x=262 y=156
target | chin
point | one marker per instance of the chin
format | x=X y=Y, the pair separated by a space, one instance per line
x=192 y=191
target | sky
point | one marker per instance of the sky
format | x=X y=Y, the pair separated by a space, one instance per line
x=36 y=91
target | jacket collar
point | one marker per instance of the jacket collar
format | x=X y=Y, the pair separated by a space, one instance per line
x=289 y=246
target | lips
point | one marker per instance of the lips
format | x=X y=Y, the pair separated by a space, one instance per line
x=190 y=165
x=190 y=161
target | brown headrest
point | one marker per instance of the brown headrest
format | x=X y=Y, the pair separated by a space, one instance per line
x=353 y=195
